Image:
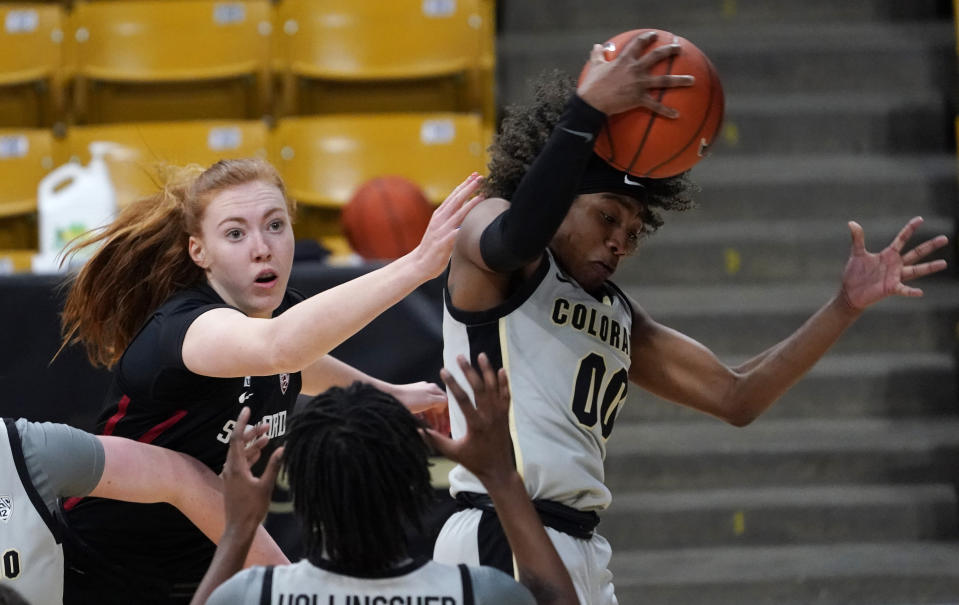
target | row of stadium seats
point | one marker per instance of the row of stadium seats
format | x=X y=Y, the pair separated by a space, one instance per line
x=322 y=159
x=139 y=60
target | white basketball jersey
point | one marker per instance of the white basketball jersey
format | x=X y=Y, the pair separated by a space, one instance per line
x=31 y=559
x=423 y=583
x=567 y=357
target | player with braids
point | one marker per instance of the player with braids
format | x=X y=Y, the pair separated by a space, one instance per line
x=529 y=285
x=358 y=470
x=186 y=298
x=359 y=475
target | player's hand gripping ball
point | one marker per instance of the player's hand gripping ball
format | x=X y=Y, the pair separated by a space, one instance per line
x=646 y=144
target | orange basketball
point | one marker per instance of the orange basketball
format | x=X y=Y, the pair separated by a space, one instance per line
x=386 y=217
x=650 y=145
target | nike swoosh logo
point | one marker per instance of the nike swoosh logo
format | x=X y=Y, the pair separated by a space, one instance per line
x=629 y=181
x=586 y=135
x=244 y=397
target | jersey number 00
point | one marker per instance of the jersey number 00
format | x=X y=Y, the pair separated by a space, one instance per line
x=591 y=402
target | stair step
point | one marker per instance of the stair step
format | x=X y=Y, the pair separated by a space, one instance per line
x=749 y=318
x=759 y=58
x=771 y=452
x=780 y=515
x=848 y=574
x=836 y=123
x=752 y=251
x=841 y=386
x=839 y=186
x=571 y=14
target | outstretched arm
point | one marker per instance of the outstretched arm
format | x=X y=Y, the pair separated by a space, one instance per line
x=226 y=343
x=138 y=472
x=680 y=369
x=247 y=499
x=328 y=371
x=487 y=452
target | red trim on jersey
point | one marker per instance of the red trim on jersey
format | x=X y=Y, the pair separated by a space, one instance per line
x=121 y=412
x=108 y=428
x=156 y=431
x=147 y=437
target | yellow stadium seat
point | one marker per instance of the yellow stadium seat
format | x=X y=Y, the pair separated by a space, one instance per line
x=403 y=55
x=142 y=60
x=31 y=74
x=16 y=261
x=146 y=149
x=26 y=156
x=323 y=159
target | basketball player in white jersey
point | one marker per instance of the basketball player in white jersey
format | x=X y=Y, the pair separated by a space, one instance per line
x=528 y=286
x=358 y=472
x=41 y=462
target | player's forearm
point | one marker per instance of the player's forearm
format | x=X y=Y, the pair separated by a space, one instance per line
x=545 y=193
x=264 y=550
x=314 y=327
x=327 y=371
x=195 y=491
x=540 y=568
x=203 y=505
x=227 y=560
x=764 y=378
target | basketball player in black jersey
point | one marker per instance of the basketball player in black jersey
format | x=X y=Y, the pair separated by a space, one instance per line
x=186 y=297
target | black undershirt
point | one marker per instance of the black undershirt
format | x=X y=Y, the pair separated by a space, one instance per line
x=543 y=197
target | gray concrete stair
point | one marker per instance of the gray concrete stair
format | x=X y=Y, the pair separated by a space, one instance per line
x=762 y=251
x=771 y=452
x=837 y=186
x=817 y=514
x=850 y=573
x=881 y=384
x=572 y=14
x=749 y=318
x=787 y=57
x=834 y=123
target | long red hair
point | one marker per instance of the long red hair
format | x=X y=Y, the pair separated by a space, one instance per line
x=143 y=257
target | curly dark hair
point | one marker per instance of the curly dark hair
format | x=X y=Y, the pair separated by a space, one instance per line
x=523 y=134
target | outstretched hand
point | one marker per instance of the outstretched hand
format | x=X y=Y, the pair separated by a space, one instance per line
x=870 y=277
x=435 y=248
x=248 y=497
x=628 y=80
x=485 y=449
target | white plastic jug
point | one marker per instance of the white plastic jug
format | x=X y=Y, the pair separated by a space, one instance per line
x=72 y=200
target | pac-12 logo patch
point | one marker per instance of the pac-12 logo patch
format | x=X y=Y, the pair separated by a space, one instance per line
x=284 y=383
x=6 y=508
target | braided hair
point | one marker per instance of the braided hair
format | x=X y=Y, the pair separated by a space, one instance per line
x=359 y=475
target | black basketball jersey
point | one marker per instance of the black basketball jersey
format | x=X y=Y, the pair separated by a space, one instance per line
x=155 y=399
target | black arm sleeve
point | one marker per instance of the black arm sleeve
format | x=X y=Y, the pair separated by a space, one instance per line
x=542 y=199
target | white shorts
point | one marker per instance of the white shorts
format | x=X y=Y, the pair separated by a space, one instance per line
x=465 y=538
